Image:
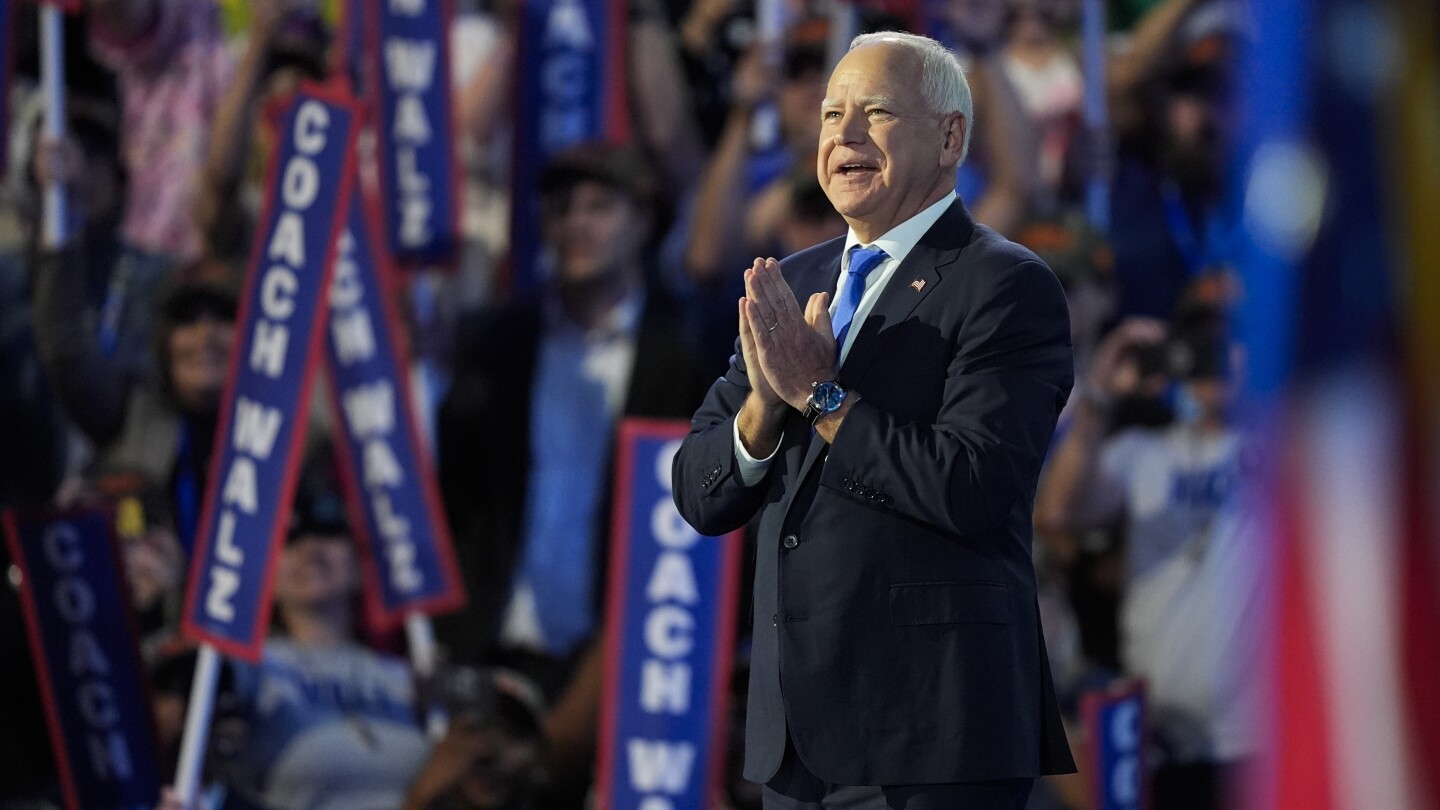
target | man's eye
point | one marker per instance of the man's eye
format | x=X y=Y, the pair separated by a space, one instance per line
x=877 y=112
x=830 y=115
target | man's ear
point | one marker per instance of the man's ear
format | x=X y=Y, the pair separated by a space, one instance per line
x=953 y=127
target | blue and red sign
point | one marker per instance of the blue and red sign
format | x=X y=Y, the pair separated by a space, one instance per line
x=409 y=39
x=77 y=615
x=572 y=82
x=669 y=638
x=409 y=559
x=262 y=427
x=1115 y=739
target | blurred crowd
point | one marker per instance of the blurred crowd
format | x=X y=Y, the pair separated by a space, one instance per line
x=114 y=347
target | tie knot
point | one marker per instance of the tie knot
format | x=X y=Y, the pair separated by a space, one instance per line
x=865 y=259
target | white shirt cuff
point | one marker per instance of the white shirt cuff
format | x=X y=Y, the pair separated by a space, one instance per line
x=751 y=470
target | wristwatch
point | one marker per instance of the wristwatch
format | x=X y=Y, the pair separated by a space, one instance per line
x=825 y=397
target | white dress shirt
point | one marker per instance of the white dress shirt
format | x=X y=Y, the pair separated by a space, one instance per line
x=897 y=244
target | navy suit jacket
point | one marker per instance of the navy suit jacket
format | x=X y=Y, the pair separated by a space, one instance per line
x=896 y=630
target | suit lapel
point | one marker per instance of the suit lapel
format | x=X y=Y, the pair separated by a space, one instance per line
x=915 y=278
x=825 y=276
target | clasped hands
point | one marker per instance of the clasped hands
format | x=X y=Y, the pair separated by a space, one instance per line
x=785 y=349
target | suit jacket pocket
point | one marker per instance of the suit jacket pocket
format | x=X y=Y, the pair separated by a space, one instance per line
x=950 y=603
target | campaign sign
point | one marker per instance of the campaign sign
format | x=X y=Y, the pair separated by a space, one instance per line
x=262 y=419
x=571 y=66
x=670 y=626
x=409 y=40
x=1115 y=739
x=77 y=616
x=409 y=560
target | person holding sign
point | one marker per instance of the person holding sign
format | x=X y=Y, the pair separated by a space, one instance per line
x=159 y=426
x=526 y=434
x=322 y=720
x=884 y=419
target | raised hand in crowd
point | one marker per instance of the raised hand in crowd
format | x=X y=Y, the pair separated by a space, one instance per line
x=1127 y=71
x=57 y=161
x=154 y=565
x=721 y=199
x=1118 y=369
x=698 y=29
x=663 y=115
x=286 y=44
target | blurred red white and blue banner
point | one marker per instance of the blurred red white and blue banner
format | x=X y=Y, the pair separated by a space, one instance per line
x=277 y=348
x=1340 y=181
x=78 y=619
x=409 y=41
x=571 y=88
x=669 y=637
x=408 y=558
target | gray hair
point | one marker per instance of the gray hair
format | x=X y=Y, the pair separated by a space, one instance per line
x=942 y=78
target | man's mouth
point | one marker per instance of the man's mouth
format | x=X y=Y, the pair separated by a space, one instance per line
x=855 y=169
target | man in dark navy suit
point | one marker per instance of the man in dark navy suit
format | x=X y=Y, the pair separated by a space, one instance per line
x=885 y=417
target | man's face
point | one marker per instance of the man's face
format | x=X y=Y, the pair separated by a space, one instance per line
x=594 y=230
x=316 y=569
x=199 y=356
x=1193 y=152
x=883 y=156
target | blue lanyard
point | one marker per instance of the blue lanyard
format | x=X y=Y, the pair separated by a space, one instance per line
x=1211 y=248
x=113 y=308
x=187 y=493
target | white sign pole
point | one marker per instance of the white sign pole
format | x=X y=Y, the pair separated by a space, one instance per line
x=421 y=637
x=52 y=73
x=197 y=726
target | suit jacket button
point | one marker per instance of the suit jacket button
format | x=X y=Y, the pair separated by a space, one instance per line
x=775 y=619
x=791 y=541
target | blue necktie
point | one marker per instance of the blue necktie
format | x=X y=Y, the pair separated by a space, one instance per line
x=862 y=261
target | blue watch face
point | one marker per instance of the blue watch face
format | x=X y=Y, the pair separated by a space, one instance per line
x=828 y=396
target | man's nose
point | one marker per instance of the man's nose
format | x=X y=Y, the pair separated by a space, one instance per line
x=853 y=127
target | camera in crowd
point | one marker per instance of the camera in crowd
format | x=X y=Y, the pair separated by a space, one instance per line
x=1197 y=348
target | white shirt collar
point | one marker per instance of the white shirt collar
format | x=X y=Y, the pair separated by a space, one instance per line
x=901 y=239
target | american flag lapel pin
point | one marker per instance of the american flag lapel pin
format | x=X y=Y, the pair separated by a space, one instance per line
x=918 y=284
